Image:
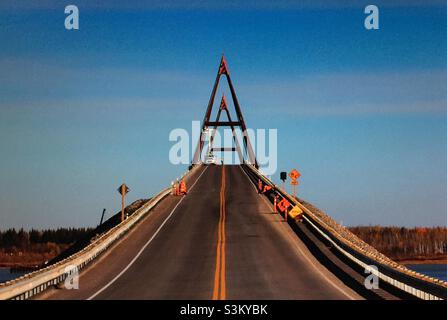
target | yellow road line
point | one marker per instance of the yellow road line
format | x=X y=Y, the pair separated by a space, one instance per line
x=222 y=274
x=219 y=291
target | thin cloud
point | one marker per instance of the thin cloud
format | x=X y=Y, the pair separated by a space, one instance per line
x=30 y=83
x=214 y=5
x=352 y=94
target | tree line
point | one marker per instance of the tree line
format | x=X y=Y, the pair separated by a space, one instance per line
x=405 y=243
x=24 y=240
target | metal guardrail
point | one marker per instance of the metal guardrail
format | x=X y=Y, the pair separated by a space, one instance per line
x=362 y=254
x=38 y=281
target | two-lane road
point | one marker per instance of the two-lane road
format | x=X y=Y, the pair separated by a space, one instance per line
x=221 y=241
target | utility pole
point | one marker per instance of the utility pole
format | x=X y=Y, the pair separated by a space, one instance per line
x=102 y=216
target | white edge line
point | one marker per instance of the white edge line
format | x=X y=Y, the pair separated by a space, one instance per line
x=145 y=245
x=305 y=255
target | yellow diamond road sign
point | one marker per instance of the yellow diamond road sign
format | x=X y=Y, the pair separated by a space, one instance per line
x=124 y=188
x=296 y=211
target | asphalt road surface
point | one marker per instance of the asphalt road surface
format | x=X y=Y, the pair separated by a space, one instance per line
x=220 y=241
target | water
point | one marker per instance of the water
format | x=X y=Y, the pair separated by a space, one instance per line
x=6 y=275
x=432 y=270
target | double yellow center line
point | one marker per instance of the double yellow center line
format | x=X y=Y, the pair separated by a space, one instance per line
x=219 y=291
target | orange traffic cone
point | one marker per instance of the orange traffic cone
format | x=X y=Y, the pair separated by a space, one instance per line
x=183 y=187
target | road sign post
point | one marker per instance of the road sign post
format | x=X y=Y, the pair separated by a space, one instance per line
x=123 y=190
x=294 y=184
x=294 y=175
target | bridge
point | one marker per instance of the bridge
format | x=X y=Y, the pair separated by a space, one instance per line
x=226 y=239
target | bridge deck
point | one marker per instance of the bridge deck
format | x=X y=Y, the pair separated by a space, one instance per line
x=173 y=253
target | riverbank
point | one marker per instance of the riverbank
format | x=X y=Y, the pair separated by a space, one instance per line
x=438 y=271
x=419 y=245
x=27 y=249
x=413 y=261
x=20 y=265
x=32 y=257
x=6 y=274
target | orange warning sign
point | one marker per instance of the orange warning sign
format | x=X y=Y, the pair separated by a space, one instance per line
x=294 y=174
x=283 y=205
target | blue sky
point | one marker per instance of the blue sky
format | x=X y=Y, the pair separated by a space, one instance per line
x=362 y=114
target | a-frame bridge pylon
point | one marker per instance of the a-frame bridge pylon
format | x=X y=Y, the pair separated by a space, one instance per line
x=224 y=107
x=239 y=123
